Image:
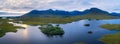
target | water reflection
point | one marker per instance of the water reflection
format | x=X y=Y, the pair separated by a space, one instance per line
x=54 y=36
x=24 y=25
x=25 y=33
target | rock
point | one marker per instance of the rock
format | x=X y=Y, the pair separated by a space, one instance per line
x=87 y=25
x=90 y=32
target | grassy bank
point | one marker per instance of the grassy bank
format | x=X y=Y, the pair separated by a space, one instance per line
x=61 y=20
x=111 y=26
x=80 y=43
x=6 y=27
x=111 y=39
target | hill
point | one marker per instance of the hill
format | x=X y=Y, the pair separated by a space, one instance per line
x=115 y=14
x=59 y=16
x=61 y=13
x=51 y=13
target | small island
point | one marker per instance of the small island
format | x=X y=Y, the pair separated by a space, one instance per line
x=51 y=30
x=86 y=24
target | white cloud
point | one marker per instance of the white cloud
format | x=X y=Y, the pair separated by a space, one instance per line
x=22 y=6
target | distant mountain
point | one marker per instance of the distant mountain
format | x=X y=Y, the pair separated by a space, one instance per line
x=50 y=12
x=115 y=14
x=95 y=11
x=61 y=13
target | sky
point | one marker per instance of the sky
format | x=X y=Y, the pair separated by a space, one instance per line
x=24 y=6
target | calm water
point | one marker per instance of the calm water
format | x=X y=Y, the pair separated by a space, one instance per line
x=74 y=32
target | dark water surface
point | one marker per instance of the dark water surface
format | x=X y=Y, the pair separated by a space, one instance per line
x=74 y=32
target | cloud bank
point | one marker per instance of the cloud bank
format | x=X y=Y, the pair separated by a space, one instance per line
x=23 y=6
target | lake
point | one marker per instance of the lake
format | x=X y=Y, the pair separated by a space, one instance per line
x=74 y=32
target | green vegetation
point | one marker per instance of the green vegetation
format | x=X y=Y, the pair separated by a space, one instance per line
x=6 y=27
x=42 y=20
x=98 y=16
x=111 y=39
x=111 y=26
x=61 y=20
x=79 y=43
x=51 y=30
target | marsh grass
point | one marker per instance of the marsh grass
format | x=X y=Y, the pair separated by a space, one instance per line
x=80 y=43
x=6 y=27
x=111 y=26
x=62 y=20
x=111 y=39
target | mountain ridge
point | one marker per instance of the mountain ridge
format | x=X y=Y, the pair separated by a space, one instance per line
x=59 y=16
x=50 y=12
